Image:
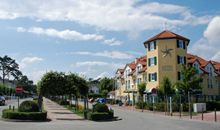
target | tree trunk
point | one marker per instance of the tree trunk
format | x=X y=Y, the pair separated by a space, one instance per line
x=85 y=108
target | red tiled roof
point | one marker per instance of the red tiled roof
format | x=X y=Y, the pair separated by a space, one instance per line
x=216 y=64
x=192 y=58
x=165 y=35
x=132 y=65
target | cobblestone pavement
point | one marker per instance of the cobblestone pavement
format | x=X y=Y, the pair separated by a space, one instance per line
x=56 y=112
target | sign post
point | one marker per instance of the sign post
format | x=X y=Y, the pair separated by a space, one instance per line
x=19 y=90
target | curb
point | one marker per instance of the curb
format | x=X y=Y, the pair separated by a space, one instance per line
x=16 y=120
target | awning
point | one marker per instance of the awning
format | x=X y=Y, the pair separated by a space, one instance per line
x=151 y=91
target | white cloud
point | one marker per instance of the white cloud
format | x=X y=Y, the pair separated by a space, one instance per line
x=65 y=34
x=94 y=69
x=208 y=46
x=116 y=15
x=91 y=63
x=112 y=42
x=36 y=75
x=109 y=54
x=26 y=61
x=103 y=74
x=69 y=35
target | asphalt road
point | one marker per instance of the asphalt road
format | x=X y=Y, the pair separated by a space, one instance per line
x=130 y=120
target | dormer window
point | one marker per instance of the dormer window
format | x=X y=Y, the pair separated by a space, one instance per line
x=210 y=71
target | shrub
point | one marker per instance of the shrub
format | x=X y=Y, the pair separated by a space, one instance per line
x=100 y=108
x=210 y=106
x=97 y=116
x=94 y=95
x=28 y=106
x=141 y=105
x=10 y=114
x=63 y=102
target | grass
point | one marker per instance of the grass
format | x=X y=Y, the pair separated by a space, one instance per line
x=73 y=109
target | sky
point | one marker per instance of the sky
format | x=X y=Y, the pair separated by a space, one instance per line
x=95 y=37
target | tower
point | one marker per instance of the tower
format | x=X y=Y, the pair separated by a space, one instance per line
x=166 y=53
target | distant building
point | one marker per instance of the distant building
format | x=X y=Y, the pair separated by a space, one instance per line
x=94 y=86
x=166 y=53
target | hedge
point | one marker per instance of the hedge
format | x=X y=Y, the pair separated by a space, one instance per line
x=161 y=106
x=10 y=114
x=210 y=106
x=97 y=116
x=28 y=106
x=99 y=107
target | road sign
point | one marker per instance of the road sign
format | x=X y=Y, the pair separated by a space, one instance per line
x=19 y=89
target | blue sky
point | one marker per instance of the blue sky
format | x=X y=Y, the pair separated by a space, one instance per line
x=94 y=38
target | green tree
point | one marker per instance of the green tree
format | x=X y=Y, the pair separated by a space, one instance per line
x=28 y=85
x=52 y=84
x=8 y=66
x=190 y=80
x=107 y=84
x=166 y=88
x=83 y=91
x=141 y=91
x=71 y=87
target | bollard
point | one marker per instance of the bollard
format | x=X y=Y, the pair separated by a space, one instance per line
x=215 y=116
x=181 y=109
x=13 y=108
x=9 y=107
x=202 y=114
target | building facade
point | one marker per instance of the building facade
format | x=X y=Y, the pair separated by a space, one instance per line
x=165 y=54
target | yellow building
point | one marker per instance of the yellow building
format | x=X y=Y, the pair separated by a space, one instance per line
x=166 y=53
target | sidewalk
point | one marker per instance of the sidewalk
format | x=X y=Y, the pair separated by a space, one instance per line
x=56 y=112
x=206 y=116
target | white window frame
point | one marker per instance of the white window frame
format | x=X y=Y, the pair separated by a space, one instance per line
x=181 y=42
x=181 y=59
x=151 y=46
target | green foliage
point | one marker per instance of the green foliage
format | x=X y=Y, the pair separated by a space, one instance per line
x=141 y=105
x=8 y=66
x=28 y=85
x=210 y=106
x=190 y=80
x=106 y=84
x=52 y=84
x=98 y=116
x=10 y=114
x=94 y=95
x=141 y=88
x=166 y=88
x=100 y=108
x=63 y=102
x=104 y=93
x=28 y=106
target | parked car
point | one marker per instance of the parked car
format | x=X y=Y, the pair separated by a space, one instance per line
x=2 y=100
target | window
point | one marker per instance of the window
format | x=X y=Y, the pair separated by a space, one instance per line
x=128 y=83
x=138 y=68
x=210 y=71
x=180 y=77
x=196 y=66
x=210 y=83
x=152 y=77
x=181 y=44
x=138 y=80
x=152 y=61
x=181 y=59
x=152 y=46
x=145 y=78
